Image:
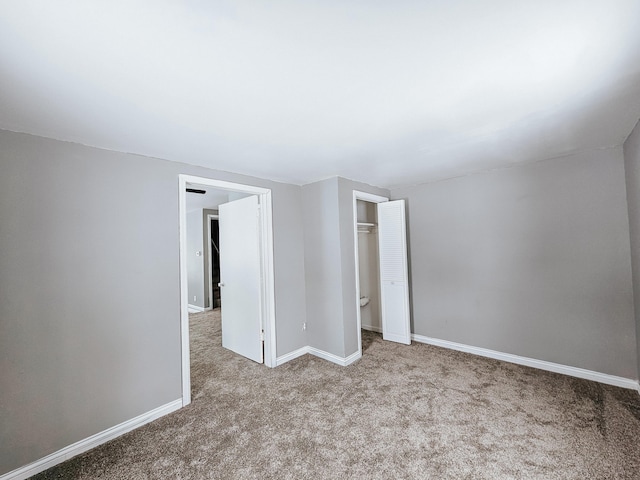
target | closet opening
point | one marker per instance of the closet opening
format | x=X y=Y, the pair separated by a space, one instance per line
x=382 y=283
x=368 y=267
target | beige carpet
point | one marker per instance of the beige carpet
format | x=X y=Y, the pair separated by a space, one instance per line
x=401 y=412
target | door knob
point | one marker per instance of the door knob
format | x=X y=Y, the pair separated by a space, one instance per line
x=221 y=284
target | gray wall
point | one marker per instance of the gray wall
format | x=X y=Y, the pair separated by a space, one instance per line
x=195 y=262
x=322 y=266
x=532 y=260
x=289 y=269
x=330 y=264
x=369 y=274
x=89 y=289
x=632 y=170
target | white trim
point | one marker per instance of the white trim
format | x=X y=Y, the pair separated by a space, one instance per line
x=291 y=355
x=268 y=284
x=532 y=362
x=342 y=361
x=367 y=197
x=184 y=293
x=268 y=287
x=90 y=442
x=352 y=358
x=195 y=309
x=372 y=328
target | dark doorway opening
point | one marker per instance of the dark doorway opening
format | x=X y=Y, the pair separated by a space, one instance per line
x=215 y=263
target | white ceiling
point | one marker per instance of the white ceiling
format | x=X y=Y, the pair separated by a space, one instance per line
x=386 y=92
x=212 y=198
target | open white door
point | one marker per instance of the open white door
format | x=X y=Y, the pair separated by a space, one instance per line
x=394 y=276
x=240 y=277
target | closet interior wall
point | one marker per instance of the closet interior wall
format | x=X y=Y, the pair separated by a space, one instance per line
x=368 y=267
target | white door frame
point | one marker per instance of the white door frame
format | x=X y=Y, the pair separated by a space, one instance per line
x=209 y=218
x=367 y=197
x=266 y=254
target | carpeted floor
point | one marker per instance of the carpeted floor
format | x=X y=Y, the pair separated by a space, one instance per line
x=400 y=412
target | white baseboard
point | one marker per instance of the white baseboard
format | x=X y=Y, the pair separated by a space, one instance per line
x=352 y=358
x=88 y=443
x=343 y=361
x=532 y=362
x=195 y=309
x=371 y=328
x=291 y=355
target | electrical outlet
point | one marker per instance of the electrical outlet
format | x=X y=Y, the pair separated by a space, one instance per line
x=194 y=298
x=304 y=326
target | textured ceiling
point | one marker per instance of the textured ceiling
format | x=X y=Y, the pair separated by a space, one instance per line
x=389 y=93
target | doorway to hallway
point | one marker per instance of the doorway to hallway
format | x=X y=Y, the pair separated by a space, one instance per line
x=251 y=219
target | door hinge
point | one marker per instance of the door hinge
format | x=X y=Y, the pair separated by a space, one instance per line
x=262 y=335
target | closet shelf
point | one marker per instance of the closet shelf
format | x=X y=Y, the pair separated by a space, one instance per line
x=364 y=227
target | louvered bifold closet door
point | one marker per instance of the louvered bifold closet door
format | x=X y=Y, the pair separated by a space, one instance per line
x=394 y=276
